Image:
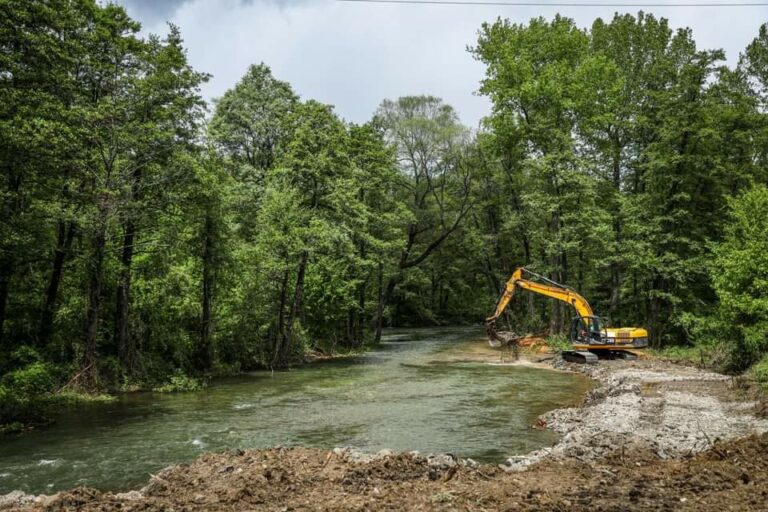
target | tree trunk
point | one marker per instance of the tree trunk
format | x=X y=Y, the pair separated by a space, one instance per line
x=615 y=291
x=126 y=348
x=380 y=306
x=209 y=282
x=361 y=312
x=280 y=315
x=66 y=233
x=6 y=270
x=283 y=354
x=89 y=373
x=11 y=206
x=383 y=301
x=615 y=271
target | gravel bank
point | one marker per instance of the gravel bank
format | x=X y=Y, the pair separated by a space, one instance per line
x=668 y=409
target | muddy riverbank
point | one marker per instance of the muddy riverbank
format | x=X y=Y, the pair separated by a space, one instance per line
x=650 y=436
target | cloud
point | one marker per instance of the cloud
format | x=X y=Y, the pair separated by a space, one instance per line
x=151 y=12
x=354 y=55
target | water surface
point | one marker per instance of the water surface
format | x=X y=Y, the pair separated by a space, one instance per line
x=417 y=391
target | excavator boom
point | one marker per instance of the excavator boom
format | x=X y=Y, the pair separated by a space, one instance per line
x=553 y=290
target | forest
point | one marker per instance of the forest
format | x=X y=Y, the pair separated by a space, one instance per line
x=149 y=240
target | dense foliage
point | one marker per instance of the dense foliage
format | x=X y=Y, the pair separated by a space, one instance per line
x=144 y=241
x=618 y=150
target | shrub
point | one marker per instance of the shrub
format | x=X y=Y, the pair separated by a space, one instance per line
x=180 y=382
x=32 y=381
x=25 y=355
x=558 y=343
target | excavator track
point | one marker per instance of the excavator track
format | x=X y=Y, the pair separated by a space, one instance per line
x=580 y=356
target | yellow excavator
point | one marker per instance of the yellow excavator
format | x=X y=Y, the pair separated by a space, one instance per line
x=588 y=336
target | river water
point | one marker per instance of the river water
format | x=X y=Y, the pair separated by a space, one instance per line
x=431 y=390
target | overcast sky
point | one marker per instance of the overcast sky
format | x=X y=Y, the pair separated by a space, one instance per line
x=354 y=55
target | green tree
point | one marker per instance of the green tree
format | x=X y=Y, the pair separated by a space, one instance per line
x=739 y=274
x=40 y=134
x=435 y=181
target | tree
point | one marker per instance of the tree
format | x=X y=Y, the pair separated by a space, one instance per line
x=629 y=140
x=167 y=110
x=250 y=122
x=41 y=132
x=435 y=181
x=317 y=167
x=740 y=276
x=536 y=79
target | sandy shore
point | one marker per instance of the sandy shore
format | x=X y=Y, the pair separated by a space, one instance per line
x=652 y=435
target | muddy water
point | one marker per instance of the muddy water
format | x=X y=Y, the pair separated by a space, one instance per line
x=417 y=391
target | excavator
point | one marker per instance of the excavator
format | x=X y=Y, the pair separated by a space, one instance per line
x=588 y=336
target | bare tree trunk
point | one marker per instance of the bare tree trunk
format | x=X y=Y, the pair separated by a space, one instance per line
x=65 y=235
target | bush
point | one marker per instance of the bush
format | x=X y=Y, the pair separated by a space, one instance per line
x=25 y=355
x=32 y=381
x=180 y=382
x=558 y=343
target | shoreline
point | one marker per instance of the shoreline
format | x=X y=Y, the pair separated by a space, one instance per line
x=640 y=414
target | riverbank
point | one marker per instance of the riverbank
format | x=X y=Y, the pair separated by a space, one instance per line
x=651 y=435
x=35 y=401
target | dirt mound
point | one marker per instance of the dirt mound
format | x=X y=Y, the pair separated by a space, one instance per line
x=730 y=476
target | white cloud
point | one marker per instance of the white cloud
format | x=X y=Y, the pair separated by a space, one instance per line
x=354 y=55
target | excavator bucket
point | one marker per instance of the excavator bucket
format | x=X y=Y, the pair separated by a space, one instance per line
x=498 y=339
x=493 y=336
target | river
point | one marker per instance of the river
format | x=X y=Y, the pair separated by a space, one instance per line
x=431 y=390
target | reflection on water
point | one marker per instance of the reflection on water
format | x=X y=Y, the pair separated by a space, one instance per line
x=423 y=389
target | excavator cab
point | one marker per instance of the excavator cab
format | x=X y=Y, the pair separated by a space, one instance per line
x=588 y=330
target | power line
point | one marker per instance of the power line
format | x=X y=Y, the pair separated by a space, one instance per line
x=556 y=4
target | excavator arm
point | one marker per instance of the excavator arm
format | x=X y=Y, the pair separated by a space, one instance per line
x=553 y=290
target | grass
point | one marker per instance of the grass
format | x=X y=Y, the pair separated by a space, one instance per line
x=703 y=356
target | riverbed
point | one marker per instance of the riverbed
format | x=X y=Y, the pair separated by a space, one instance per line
x=416 y=391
